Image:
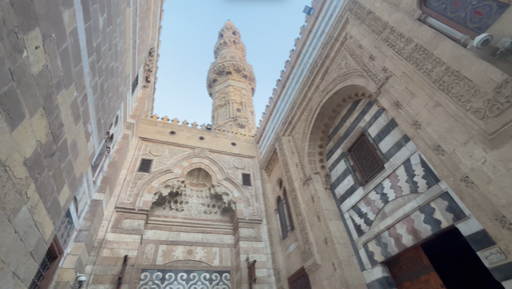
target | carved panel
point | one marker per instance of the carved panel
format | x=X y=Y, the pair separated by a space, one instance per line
x=184 y=279
x=466 y=94
x=272 y=163
x=175 y=198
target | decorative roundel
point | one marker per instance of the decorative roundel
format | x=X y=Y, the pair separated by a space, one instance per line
x=239 y=164
x=157 y=151
x=202 y=152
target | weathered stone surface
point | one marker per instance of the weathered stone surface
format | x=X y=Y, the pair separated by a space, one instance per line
x=63 y=151
x=9 y=280
x=52 y=55
x=58 y=179
x=15 y=253
x=26 y=228
x=35 y=165
x=57 y=127
x=73 y=149
x=6 y=228
x=46 y=188
x=35 y=49
x=25 y=138
x=46 y=92
x=40 y=126
x=75 y=111
x=5 y=75
x=11 y=107
x=65 y=61
x=11 y=36
x=74 y=46
x=90 y=40
x=25 y=14
x=55 y=210
x=50 y=155
x=26 y=85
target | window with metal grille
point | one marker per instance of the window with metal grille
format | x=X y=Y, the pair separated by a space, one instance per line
x=299 y=280
x=246 y=179
x=47 y=267
x=135 y=83
x=145 y=166
x=367 y=160
x=282 y=219
x=288 y=211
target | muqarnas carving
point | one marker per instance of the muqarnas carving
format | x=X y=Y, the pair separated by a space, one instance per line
x=195 y=196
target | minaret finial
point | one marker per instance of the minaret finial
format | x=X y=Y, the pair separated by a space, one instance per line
x=231 y=83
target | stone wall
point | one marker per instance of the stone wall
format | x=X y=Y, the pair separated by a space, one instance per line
x=157 y=236
x=454 y=115
x=65 y=73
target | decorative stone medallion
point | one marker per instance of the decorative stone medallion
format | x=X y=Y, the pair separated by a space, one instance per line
x=239 y=164
x=157 y=151
x=202 y=152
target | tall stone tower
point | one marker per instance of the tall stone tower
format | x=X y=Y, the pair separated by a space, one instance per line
x=231 y=84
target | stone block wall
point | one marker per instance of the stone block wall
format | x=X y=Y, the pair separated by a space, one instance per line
x=65 y=72
x=439 y=95
x=158 y=241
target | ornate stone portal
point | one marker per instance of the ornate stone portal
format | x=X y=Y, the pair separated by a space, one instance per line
x=193 y=197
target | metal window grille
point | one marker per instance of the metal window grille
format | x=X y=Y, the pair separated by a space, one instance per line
x=145 y=166
x=281 y=213
x=47 y=267
x=299 y=280
x=289 y=215
x=246 y=179
x=366 y=159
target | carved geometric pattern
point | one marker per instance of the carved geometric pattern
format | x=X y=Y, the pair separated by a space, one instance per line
x=414 y=176
x=137 y=177
x=429 y=219
x=469 y=96
x=184 y=279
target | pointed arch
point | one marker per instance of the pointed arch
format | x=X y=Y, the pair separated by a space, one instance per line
x=178 y=169
x=323 y=121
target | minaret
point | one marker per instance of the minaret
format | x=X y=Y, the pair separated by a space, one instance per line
x=231 y=84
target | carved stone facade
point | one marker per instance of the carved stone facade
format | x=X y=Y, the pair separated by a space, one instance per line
x=436 y=124
x=173 y=204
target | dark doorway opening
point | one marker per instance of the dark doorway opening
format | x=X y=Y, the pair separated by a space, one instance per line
x=457 y=264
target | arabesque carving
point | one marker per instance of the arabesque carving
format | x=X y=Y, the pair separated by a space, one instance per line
x=470 y=97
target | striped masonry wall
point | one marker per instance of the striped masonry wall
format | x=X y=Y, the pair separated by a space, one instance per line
x=367 y=210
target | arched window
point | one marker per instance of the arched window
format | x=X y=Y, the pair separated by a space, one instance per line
x=283 y=212
x=466 y=16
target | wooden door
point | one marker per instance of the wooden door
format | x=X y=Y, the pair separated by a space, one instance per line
x=412 y=270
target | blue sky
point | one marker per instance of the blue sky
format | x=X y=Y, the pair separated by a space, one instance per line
x=189 y=33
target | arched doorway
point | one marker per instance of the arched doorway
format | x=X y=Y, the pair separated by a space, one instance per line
x=395 y=208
